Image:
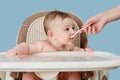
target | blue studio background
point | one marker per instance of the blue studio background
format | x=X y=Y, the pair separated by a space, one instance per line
x=14 y=12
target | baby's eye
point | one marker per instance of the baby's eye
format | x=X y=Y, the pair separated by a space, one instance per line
x=73 y=28
x=67 y=29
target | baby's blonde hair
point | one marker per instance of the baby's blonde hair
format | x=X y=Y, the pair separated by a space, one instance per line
x=51 y=16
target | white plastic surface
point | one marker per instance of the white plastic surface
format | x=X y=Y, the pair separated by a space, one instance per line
x=61 y=61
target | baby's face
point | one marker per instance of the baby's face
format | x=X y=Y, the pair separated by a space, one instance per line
x=63 y=29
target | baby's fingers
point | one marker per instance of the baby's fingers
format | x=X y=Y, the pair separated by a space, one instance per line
x=89 y=50
x=13 y=53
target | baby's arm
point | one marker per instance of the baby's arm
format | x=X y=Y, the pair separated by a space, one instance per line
x=18 y=50
x=75 y=48
x=24 y=49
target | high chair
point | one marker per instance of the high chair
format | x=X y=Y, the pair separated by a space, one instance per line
x=32 y=30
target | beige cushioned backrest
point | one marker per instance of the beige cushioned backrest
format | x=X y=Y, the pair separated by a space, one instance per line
x=36 y=32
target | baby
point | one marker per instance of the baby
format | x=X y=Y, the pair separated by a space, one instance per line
x=59 y=28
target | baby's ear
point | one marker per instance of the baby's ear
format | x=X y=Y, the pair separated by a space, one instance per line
x=50 y=34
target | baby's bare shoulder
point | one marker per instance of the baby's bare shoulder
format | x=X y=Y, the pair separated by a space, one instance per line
x=42 y=43
x=46 y=46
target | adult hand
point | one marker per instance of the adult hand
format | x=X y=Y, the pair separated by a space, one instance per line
x=95 y=24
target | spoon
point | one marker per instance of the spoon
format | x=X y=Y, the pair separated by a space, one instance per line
x=79 y=30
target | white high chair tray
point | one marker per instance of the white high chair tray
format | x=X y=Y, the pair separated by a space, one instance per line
x=61 y=61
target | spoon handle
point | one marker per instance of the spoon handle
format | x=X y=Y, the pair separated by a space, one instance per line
x=80 y=30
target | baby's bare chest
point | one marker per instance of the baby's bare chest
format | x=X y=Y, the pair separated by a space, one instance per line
x=49 y=48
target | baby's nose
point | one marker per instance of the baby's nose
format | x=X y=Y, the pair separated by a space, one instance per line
x=72 y=32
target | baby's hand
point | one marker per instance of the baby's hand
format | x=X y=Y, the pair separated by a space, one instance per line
x=88 y=50
x=13 y=52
